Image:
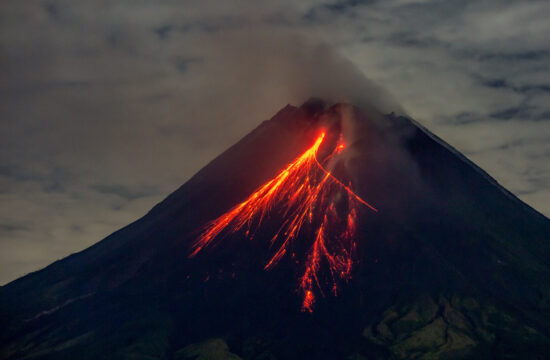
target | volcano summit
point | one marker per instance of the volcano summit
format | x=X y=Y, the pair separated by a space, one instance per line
x=328 y=232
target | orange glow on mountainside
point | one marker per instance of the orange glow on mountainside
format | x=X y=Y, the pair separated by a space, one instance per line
x=314 y=203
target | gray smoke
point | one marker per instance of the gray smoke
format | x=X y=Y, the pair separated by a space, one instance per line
x=273 y=68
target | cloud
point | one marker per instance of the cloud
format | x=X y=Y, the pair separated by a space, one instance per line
x=124 y=191
x=109 y=106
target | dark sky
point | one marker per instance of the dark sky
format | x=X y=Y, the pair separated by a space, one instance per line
x=108 y=106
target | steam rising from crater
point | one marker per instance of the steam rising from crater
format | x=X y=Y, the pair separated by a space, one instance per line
x=266 y=69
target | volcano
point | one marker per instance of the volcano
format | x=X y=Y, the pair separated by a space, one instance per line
x=328 y=232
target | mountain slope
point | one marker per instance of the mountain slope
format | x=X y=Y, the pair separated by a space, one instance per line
x=451 y=266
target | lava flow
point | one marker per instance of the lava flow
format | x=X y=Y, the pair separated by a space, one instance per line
x=314 y=203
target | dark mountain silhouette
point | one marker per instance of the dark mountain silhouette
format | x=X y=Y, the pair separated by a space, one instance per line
x=452 y=266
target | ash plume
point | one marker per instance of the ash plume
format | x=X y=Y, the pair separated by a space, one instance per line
x=270 y=67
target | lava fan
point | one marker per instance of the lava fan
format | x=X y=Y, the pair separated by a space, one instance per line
x=306 y=198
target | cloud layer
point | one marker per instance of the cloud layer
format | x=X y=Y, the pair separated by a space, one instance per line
x=107 y=107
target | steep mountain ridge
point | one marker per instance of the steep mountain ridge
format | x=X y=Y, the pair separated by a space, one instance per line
x=451 y=266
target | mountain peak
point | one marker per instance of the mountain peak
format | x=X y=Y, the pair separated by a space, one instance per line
x=392 y=244
x=314 y=105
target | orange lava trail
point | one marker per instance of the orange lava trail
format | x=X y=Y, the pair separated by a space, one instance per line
x=305 y=192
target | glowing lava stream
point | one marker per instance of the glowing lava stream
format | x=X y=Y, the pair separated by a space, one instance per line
x=305 y=193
